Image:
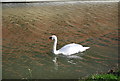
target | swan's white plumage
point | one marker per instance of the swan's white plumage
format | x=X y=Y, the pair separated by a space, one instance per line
x=72 y=49
x=67 y=49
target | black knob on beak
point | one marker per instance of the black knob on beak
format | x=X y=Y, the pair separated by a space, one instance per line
x=50 y=37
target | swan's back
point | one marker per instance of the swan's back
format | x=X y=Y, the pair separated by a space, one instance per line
x=72 y=49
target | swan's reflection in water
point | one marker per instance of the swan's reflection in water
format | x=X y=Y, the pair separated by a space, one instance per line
x=70 y=59
x=55 y=63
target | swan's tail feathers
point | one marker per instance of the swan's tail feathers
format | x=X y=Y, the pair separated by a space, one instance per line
x=84 y=49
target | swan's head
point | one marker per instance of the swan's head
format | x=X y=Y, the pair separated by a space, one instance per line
x=53 y=37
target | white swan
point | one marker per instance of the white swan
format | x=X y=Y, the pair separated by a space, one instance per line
x=68 y=49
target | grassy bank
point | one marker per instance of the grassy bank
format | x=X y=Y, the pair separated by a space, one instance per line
x=110 y=76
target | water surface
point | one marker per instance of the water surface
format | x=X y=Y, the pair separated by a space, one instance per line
x=27 y=49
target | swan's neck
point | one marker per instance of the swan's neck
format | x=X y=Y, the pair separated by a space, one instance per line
x=54 y=47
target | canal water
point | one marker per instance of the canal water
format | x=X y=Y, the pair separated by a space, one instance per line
x=27 y=50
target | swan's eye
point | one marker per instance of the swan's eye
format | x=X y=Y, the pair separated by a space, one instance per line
x=50 y=37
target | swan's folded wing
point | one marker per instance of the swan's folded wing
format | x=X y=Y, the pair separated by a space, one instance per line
x=70 y=49
x=65 y=50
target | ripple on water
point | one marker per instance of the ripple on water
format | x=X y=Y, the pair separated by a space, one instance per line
x=27 y=52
